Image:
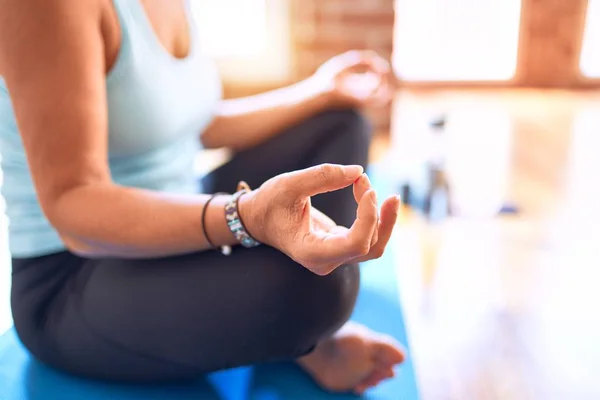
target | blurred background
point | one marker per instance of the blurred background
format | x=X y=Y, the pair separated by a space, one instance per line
x=499 y=264
x=494 y=141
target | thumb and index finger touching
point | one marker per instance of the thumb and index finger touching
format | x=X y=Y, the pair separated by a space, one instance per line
x=321 y=179
x=366 y=60
x=330 y=177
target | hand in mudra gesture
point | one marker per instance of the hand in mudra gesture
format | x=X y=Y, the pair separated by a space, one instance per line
x=357 y=79
x=280 y=214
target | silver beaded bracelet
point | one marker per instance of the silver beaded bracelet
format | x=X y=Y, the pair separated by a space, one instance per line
x=234 y=221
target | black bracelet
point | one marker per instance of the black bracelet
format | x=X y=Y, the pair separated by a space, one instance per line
x=204 y=210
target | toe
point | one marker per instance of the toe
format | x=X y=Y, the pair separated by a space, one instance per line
x=376 y=377
x=389 y=352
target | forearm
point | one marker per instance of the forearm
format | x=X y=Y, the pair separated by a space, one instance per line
x=107 y=220
x=245 y=122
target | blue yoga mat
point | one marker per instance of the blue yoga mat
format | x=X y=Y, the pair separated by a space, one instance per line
x=22 y=378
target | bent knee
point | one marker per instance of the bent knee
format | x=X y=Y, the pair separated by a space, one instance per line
x=339 y=294
x=350 y=135
x=356 y=127
x=322 y=304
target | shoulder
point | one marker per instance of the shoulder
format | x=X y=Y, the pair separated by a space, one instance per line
x=28 y=29
x=25 y=14
x=23 y=19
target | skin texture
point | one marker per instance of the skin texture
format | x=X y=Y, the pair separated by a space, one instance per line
x=241 y=123
x=62 y=116
x=308 y=236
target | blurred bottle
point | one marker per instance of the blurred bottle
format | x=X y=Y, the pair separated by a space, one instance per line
x=429 y=190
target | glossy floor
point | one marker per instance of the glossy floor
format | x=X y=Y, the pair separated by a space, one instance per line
x=505 y=308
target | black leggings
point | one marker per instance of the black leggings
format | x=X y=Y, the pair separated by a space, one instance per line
x=180 y=317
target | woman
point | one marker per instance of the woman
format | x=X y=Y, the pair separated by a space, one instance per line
x=118 y=271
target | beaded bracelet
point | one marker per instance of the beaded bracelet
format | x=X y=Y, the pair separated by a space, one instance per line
x=234 y=220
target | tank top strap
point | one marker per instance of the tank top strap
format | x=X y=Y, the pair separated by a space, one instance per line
x=123 y=9
x=133 y=20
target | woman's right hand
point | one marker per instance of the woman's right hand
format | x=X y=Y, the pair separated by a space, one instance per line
x=279 y=214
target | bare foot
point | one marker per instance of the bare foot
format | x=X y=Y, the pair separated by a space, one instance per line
x=353 y=359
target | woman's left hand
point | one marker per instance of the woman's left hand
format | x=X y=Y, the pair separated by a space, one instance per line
x=356 y=79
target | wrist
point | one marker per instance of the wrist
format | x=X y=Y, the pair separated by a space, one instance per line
x=216 y=224
x=247 y=215
x=320 y=93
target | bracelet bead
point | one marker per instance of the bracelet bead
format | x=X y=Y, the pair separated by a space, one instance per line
x=235 y=223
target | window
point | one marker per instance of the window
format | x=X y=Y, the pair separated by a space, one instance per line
x=248 y=38
x=456 y=40
x=590 y=56
x=230 y=28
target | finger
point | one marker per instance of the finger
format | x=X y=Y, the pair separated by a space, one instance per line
x=320 y=179
x=321 y=220
x=388 y=81
x=389 y=215
x=375 y=237
x=361 y=232
x=381 y=97
x=337 y=248
x=383 y=93
x=361 y=66
x=338 y=230
x=360 y=187
x=352 y=59
x=376 y=63
x=363 y=61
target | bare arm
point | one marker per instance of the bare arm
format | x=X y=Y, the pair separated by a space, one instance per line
x=353 y=79
x=246 y=122
x=52 y=58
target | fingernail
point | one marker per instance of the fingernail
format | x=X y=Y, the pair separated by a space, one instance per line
x=353 y=171
x=362 y=179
